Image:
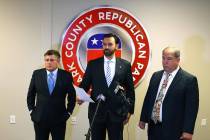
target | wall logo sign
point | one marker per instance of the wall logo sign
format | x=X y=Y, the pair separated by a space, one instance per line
x=82 y=41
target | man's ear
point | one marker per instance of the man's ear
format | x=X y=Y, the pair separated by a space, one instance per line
x=117 y=46
x=58 y=60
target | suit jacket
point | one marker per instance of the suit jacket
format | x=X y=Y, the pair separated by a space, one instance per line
x=94 y=77
x=51 y=108
x=180 y=106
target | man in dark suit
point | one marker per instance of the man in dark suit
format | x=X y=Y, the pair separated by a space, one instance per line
x=104 y=75
x=49 y=88
x=171 y=116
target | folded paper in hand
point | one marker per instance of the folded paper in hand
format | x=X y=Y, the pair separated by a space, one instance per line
x=82 y=95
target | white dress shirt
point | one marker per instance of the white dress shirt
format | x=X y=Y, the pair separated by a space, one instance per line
x=112 y=66
x=170 y=79
x=55 y=72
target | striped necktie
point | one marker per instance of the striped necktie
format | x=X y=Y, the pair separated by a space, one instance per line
x=108 y=73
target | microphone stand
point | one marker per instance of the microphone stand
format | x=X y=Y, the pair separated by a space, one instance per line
x=91 y=124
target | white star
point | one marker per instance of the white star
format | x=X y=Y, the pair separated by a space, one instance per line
x=94 y=41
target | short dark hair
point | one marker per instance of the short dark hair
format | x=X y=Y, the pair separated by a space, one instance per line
x=53 y=52
x=112 y=35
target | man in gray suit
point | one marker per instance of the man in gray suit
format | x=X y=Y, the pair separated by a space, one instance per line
x=46 y=99
x=171 y=103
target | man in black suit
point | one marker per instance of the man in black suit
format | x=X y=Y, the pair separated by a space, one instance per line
x=171 y=116
x=49 y=88
x=104 y=75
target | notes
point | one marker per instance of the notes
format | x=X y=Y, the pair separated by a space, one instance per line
x=82 y=95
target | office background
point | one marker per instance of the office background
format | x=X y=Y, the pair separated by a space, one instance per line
x=29 y=27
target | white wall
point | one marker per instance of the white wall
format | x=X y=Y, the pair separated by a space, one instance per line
x=29 y=27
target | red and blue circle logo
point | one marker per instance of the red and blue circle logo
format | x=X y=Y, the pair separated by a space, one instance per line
x=82 y=41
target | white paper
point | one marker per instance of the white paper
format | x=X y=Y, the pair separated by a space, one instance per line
x=82 y=95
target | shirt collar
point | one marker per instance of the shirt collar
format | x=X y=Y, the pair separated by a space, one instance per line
x=54 y=72
x=174 y=72
x=112 y=60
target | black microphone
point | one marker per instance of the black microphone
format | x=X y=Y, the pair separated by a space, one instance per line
x=122 y=92
x=126 y=104
x=118 y=87
x=122 y=88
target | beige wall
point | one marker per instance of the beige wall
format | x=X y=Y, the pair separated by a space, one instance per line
x=29 y=27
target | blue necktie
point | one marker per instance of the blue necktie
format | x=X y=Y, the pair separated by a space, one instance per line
x=50 y=82
x=108 y=73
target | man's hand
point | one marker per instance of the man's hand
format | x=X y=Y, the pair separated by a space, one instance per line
x=80 y=102
x=127 y=119
x=186 y=136
x=141 y=125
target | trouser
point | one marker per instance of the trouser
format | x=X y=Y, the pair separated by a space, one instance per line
x=43 y=129
x=114 y=129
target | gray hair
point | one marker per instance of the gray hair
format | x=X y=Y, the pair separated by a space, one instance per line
x=175 y=50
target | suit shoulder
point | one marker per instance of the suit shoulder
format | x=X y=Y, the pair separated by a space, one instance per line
x=65 y=74
x=158 y=72
x=124 y=61
x=64 y=71
x=187 y=74
x=94 y=61
x=37 y=71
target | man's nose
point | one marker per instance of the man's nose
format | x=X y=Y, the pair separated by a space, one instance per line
x=106 y=46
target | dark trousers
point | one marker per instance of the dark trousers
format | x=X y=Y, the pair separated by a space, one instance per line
x=43 y=129
x=155 y=131
x=114 y=129
x=158 y=132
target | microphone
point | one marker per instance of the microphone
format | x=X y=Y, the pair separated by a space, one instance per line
x=122 y=92
x=122 y=88
x=101 y=97
x=125 y=101
x=118 y=87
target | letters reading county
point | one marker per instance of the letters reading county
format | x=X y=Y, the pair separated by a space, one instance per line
x=95 y=20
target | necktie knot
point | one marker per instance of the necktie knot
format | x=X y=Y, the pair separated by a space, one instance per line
x=168 y=75
x=51 y=74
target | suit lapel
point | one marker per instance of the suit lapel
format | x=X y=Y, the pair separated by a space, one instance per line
x=44 y=80
x=118 y=69
x=58 y=82
x=174 y=82
x=157 y=83
x=100 y=71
